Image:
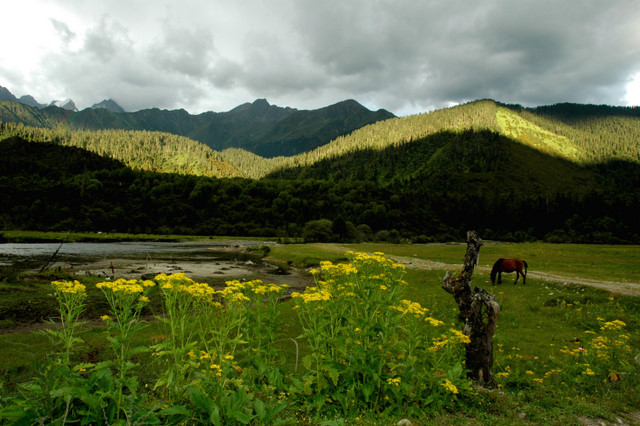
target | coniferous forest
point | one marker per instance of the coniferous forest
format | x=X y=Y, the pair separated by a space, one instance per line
x=562 y=173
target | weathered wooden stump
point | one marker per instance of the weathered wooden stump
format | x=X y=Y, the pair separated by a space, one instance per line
x=478 y=311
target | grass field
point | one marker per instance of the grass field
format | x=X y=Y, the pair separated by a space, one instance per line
x=537 y=323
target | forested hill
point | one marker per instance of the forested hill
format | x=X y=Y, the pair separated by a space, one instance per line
x=259 y=127
x=582 y=135
x=141 y=150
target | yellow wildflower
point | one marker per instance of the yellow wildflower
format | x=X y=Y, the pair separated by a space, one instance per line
x=394 y=382
x=217 y=369
x=613 y=325
x=449 y=386
x=69 y=287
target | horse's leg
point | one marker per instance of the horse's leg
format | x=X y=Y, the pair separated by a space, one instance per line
x=500 y=277
x=517 y=276
x=524 y=278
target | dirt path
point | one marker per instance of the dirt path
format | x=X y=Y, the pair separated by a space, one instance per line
x=626 y=288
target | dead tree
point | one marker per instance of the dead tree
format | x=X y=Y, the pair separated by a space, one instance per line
x=478 y=311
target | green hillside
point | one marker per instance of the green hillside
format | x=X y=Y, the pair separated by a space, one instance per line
x=465 y=161
x=610 y=136
x=141 y=150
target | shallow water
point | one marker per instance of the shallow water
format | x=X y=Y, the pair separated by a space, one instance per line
x=23 y=255
x=109 y=249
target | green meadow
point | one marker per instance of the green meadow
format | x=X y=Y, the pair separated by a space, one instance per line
x=562 y=354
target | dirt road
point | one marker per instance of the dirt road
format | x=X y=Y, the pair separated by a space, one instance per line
x=626 y=288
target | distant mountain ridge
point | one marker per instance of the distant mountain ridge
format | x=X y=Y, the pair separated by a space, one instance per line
x=29 y=100
x=264 y=129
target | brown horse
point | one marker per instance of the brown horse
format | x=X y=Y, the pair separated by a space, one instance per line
x=509 y=265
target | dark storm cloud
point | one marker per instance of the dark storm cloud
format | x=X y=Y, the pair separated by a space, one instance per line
x=431 y=54
x=405 y=56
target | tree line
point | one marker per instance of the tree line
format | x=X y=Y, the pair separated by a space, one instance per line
x=70 y=189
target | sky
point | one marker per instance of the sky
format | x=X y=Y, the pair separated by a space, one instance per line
x=405 y=56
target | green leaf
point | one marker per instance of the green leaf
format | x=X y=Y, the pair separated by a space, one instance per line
x=334 y=374
x=214 y=417
x=176 y=410
x=242 y=417
x=201 y=400
x=367 y=390
x=258 y=407
x=307 y=361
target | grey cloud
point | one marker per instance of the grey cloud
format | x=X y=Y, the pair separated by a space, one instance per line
x=183 y=50
x=63 y=30
x=165 y=73
x=108 y=40
x=527 y=52
x=402 y=55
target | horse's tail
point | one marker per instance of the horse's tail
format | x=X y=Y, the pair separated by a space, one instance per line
x=494 y=270
x=524 y=278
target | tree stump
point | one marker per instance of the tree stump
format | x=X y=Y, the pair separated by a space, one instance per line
x=478 y=311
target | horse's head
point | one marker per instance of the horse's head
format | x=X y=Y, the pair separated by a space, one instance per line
x=495 y=270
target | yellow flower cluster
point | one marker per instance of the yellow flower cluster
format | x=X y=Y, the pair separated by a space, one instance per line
x=69 y=287
x=216 y=369
x=237 y=291
x=409 y=307
x=446 y=383
x=341 y=269
x=573 y=352
x=125 y=286
x=312 y=294
x=181 y=283
x=394 y=382
x=454 y=337
x=613 y=325
x=458 y=336
x=504 y=373
x=552 y=372
x=203 y=355
x=377 y=258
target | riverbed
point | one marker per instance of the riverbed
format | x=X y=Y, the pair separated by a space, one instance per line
x=202 y=261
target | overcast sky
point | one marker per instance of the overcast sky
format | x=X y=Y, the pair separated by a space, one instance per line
x=405 y=56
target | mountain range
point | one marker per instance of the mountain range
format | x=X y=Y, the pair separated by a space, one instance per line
x=264 y=129
x=570 y=168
